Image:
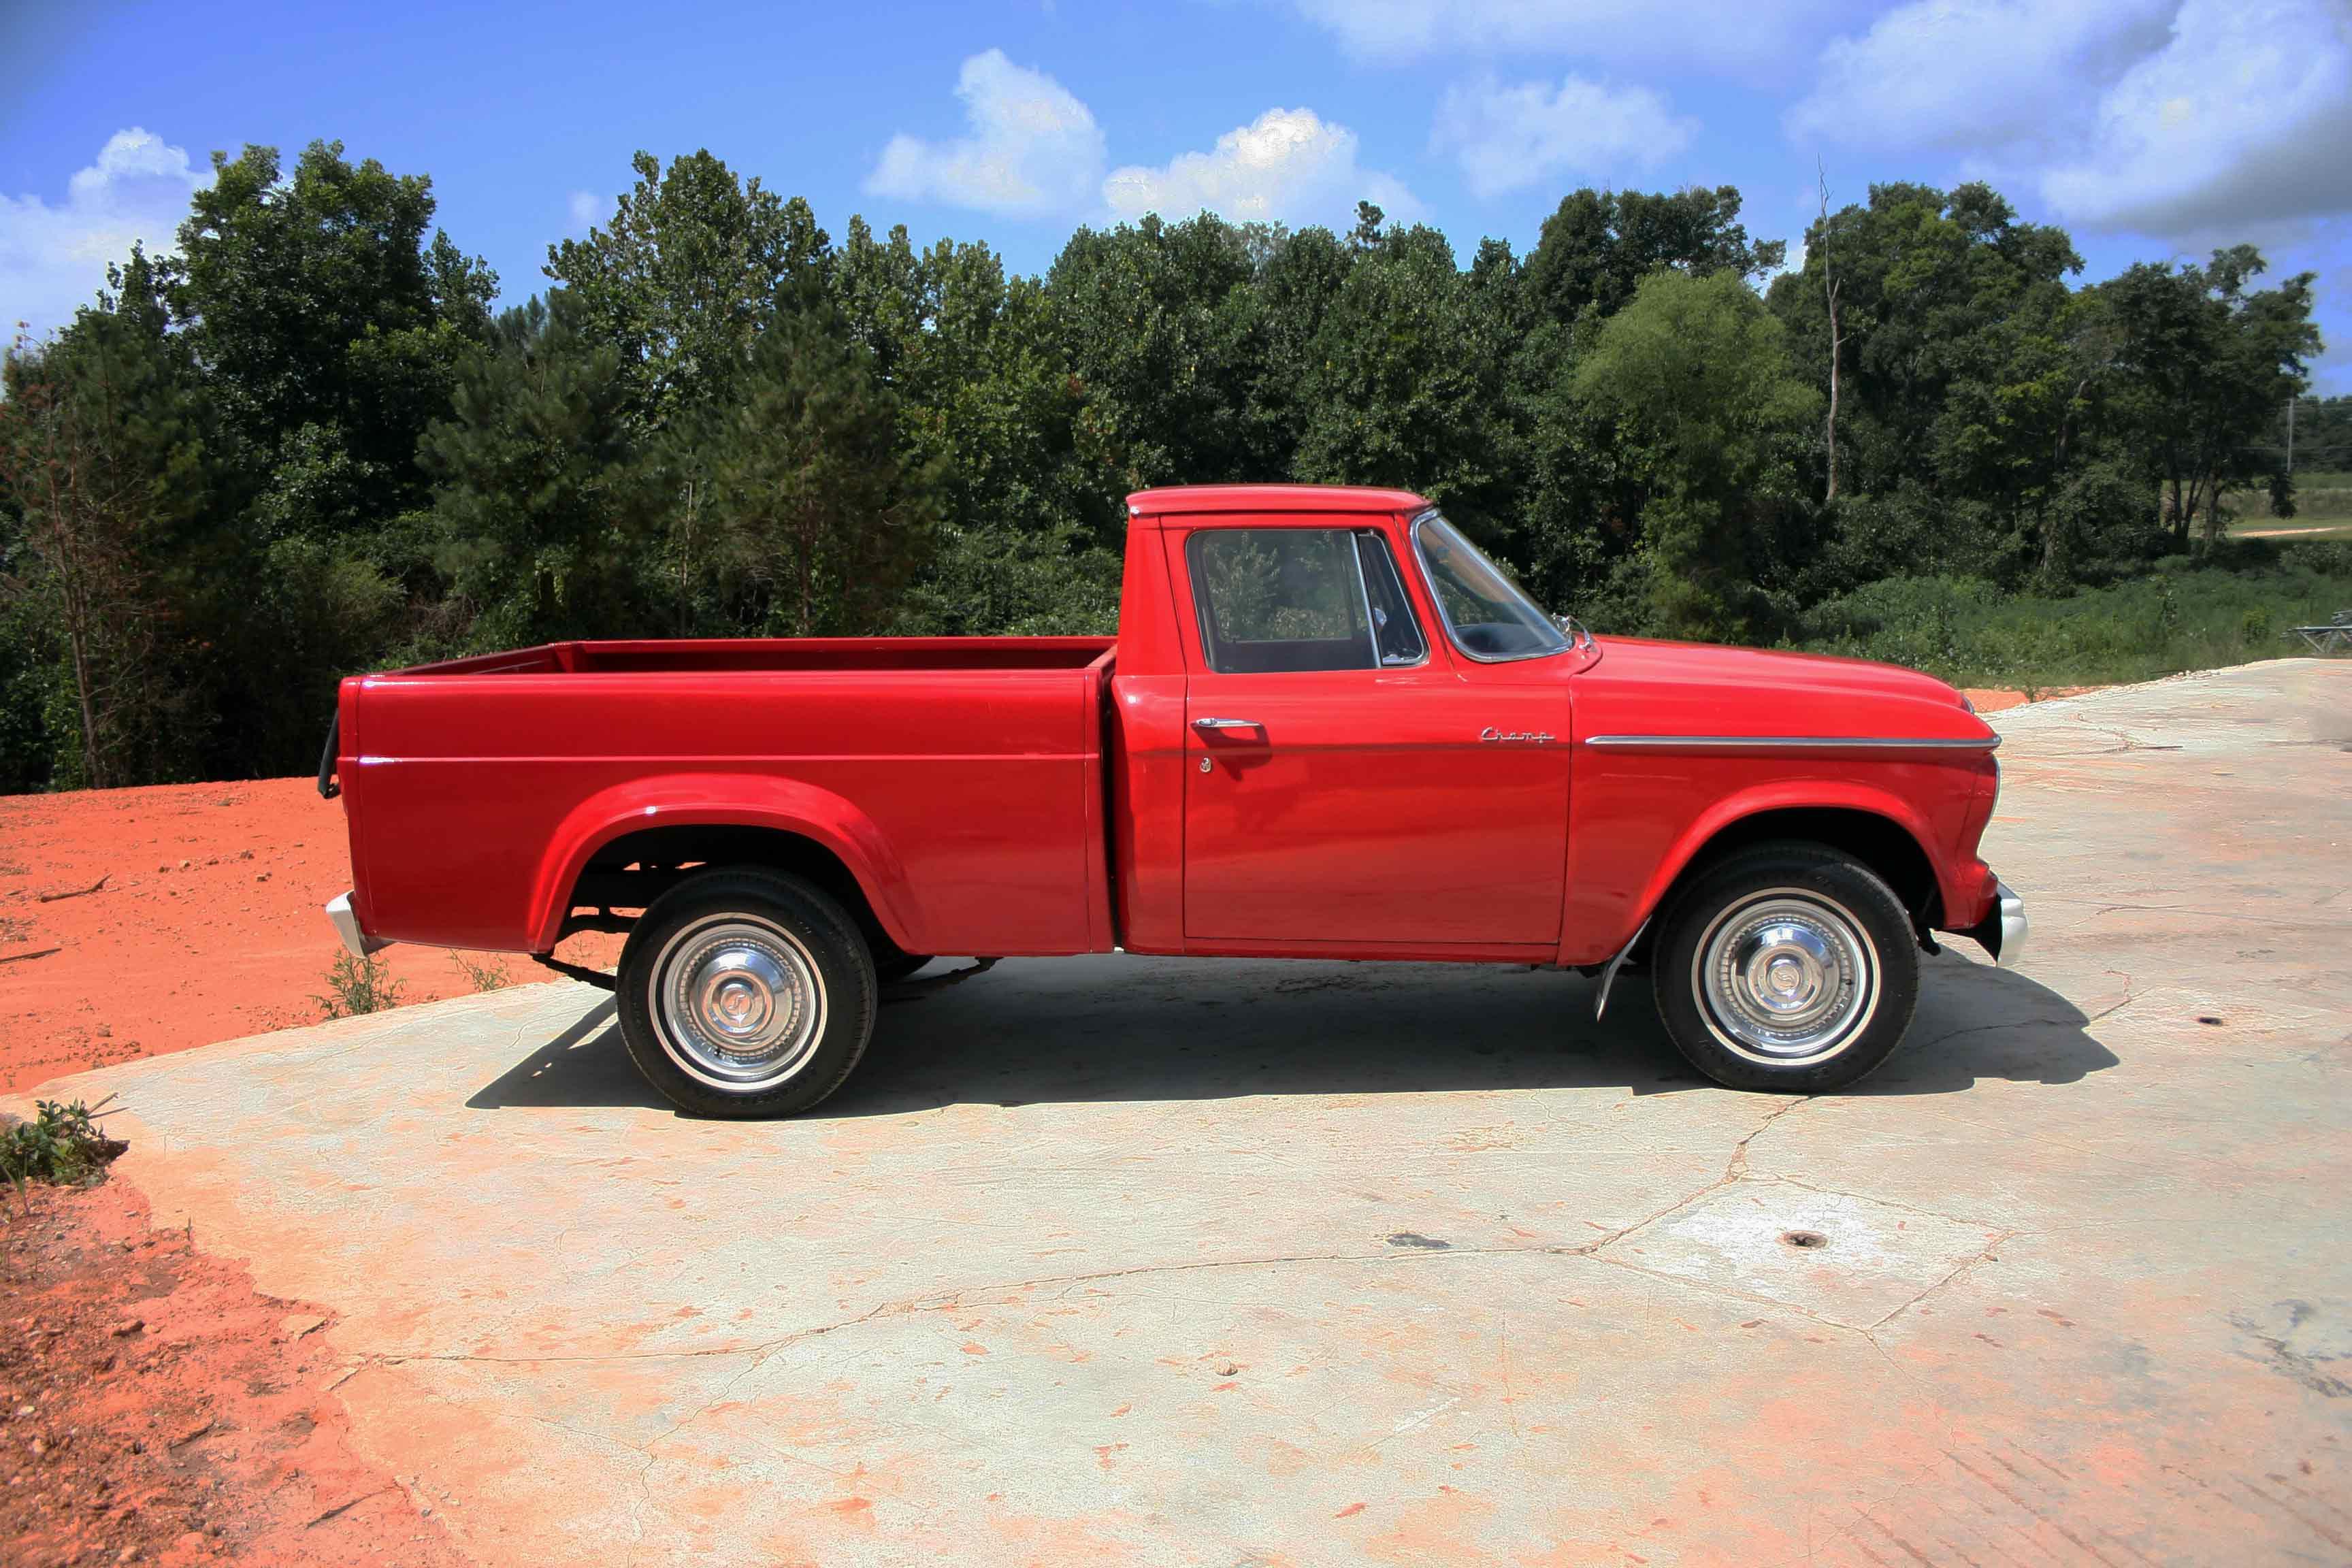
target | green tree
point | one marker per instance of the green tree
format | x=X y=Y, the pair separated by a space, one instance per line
x=1695 y=374
x=328 y=318
x=546 y=508
x=1405 y=383
x=2203 y=363
x=1159 y=324
x=1926 y=280
x=683 y=277
x=1597 y=246
x=103 y=460
x=819 y=521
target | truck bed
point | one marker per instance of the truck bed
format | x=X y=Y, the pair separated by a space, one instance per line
x=715 y=655
x=968 y=772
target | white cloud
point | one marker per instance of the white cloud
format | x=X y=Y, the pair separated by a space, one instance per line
x=1974 y=73
x=53 y=260
x=2243 y=117
x=1717 y=33
x=1288 y=165
x=1793 y=261
x=1509 y=138
x=1033 y=149
x=2169 y=117
x=585 y=207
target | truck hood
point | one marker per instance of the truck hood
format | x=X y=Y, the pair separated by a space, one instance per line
x=1704 y=688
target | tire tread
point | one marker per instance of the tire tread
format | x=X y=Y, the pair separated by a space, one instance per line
x=746 y=888
x=1799 y=861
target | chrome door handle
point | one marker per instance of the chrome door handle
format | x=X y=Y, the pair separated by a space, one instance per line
x=1226 y=724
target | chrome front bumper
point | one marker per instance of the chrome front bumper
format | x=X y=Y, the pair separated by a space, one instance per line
x=2003 y=931
x=347 y=926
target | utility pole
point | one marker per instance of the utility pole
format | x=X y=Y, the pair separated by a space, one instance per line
x=2290 y=434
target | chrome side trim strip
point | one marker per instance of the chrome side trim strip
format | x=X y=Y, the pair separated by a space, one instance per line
x=1788 y=744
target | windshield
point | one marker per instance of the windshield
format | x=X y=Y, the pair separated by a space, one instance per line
x=1487 y=614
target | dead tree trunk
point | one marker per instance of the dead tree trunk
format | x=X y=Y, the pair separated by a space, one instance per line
x=1837 y=342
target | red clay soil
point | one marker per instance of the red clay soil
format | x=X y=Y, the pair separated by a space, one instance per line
x=203 y=925
x=154 y=1409
x=1994 y=700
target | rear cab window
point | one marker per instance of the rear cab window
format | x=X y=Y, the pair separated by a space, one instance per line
x=1285 y=600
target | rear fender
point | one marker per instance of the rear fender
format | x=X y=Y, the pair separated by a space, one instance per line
x=728 y=800
x=1813 y=794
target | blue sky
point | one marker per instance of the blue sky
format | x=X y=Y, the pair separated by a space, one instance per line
x=2150 y=128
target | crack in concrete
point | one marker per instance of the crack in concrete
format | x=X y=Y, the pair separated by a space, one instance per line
x=760 y=1353
x=1887 y=1203
x=1982 y=1254
x=1733 y=1170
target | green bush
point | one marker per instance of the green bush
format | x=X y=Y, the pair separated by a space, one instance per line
x=357 y=985
x=61 y=1145
x=2183 y=616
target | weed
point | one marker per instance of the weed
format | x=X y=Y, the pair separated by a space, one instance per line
x=357 y=985
x=61 y=1145
x=482 y=974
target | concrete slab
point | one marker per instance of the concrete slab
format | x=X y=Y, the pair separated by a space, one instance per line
x=1125 y=1260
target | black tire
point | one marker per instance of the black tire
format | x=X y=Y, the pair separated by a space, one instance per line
x=773 y=951
x=1785 y=925
x=891 y=967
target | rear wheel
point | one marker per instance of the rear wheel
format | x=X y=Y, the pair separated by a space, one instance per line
x=1787 y=966
x=746 y=992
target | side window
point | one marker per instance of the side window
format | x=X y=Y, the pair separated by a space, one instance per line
x=1395 y=629
x=1280 y=599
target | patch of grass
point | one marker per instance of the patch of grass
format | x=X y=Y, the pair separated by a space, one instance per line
x=357 y=985
x=2321 y=501
x=61 y=1145
x=2186 y=616
x=482 y=974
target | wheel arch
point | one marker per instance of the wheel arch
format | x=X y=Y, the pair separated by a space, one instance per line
x=1876 y=836
x=778 y=825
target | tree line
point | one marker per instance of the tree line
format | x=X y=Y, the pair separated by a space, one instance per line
x=302 y=444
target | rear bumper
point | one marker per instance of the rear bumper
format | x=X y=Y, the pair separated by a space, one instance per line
x=2003 y=931
x=346 y=922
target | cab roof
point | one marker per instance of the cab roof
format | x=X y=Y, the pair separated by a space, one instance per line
x=1181 y=500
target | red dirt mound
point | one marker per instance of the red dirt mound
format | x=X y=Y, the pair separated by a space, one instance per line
x=178 y=915
x=154 y=1409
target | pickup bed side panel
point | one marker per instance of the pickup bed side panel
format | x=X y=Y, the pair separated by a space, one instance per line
x=962 y=792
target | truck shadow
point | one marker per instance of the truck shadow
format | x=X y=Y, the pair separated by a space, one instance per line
x=1118 y=1028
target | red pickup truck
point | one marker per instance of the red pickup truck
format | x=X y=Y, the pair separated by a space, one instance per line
x=1328 y=727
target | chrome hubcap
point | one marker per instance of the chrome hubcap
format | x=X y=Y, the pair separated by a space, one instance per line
x=1786 y=976
x=739 y=1003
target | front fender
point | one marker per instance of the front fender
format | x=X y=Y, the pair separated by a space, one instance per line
x=1814 y=794
x=731 y=800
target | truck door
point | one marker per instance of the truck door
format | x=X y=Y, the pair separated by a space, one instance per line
x=1338 y=788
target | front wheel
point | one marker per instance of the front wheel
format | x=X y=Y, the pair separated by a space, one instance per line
x=746 y=992
x=1787 y=966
